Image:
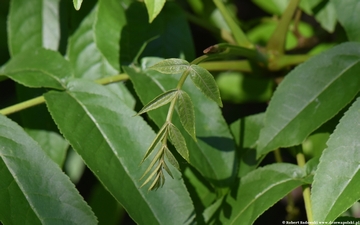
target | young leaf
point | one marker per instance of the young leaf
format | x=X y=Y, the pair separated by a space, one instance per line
x=39 y=68
x=102 y=129
x=159 y=101
x=34 y=190
x=158 y=138
x=77 y=4
x=186 y=113
x=348 y=14
x=179 y=142
x=33 y=24
x=171 y=66
x=171 y=158
x=311 y=90
x=337 y=178
x=206 y=83
x=259 y=190
x=154 y=7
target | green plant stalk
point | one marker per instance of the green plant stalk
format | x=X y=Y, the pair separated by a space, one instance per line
x=239 y=35
x=39 y=100
x=283 y=61
x=300 y=158
x=278 y=38
x=235 y=65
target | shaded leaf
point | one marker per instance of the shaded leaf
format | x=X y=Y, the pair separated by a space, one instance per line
x=154 y=7
x=33 y=189
x=206 y=83
x=171 y=27
x=110 y=20
x=159 y=101
x=312 y=90
x=171 y=66
x=77 y=4
x=178 y=141
x=259 y=190
x=102 y=129
x=326 y=16
x=51 y=143
x=338 y=173
x=348 y=14
x=39 y=68
x=33 y=24
x=186 y=113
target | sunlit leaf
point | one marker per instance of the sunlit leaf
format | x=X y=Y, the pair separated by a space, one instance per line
x=77 y=4
x=154 y=7
x=349 y=17
x=159 y=101
x=309 y=96
x=186 y=113
x=33 y=24
x=171 y=66
x=259 y=190
x=39 y=68
x=112 y=143
x=336 y=181
x=178 y=141
x=33 y=189
x=206 y=83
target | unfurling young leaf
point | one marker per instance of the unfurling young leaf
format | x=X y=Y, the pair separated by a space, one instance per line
x=186 y=112
x=171 y=66
x=171 y=159
x=206 y=83
x=159 y=101
x=178 y=141
x=157 y=139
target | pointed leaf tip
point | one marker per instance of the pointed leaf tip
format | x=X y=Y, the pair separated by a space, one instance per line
x=171 y=66
x=77 y=4
x=206 y=83
x=159 y=101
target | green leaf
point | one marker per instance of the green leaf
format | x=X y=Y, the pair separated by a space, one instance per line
x=326 y=16
x=158 y=138
x=348 y=14
x=178 y=141
x=84 y=55
x=259 y=190
x=213 y=155
x=39 y=68
x=159 y=101
x=102 y=129
x=170 y=27
x=52 y=143
x=171 y=66
x=154 y=7
x=109 y=22
x=33 y=24
x=171 y=158
x=206 y=83
x=33 y=189
x=186 y=113
x=77 y=4
x=312 y=90
x=338 y=174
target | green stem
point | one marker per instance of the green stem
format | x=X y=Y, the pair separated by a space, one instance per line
x=235 y=65
x=283 y=61
x=39 y=100
x=278 y=38
x=300 y=158
x=239 y=35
